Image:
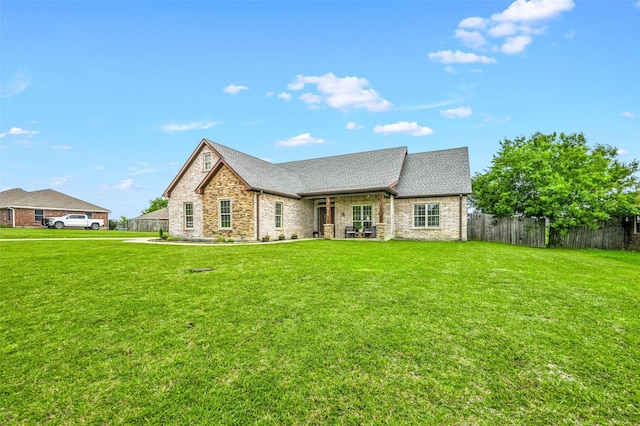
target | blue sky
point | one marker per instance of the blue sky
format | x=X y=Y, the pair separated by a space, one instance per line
x=105 y=101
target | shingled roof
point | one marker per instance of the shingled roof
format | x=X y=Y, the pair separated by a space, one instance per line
x=433 y=173
x=444 y=172
x=45 y=199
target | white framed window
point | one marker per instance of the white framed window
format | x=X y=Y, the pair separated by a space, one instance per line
x=278 y=214
x=38 y=215
x=188 y=215
x=361 y=216
x=207 y=161
x=426 y=215
x=224 y=214
x=636 y=225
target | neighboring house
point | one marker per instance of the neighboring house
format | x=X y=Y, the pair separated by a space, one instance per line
x=221 y=191
x=19 y=208
x=151 y=222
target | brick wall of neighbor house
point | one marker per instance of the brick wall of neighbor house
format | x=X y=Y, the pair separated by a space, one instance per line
x=26 y=217
x=297 y=217
x=226 y=185
x=184 y=192
x=344 y=211
x=449 y=228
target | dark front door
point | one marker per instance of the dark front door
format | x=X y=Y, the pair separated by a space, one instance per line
x=322 y=218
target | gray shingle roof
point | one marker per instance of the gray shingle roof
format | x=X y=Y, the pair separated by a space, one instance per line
x=432 y=173
x=162 y=213
x=361 y=171
x=260 y=174
x=45 y=199
x=444 y=172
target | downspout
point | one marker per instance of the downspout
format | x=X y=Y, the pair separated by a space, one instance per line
x=460 y=221
x=258 y=216
x=13 y=217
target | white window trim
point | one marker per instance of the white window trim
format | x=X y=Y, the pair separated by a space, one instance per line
x=362 y=206
x=281 y=215
x=204 y=161
x=220 y=214
x=426 y=215
x=184 y=211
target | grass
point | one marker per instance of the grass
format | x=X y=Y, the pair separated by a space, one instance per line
x=32 y=233
x=316 y=332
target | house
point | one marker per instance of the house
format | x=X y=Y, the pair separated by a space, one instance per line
x=389 y=192
x=20 y=208
x=151 y=222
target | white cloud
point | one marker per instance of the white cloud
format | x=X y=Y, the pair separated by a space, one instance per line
x=233 y=89
x=470 y=38
x=352 y=125
x=458 y=57
x=342 y=93
x=515 y=25
x=125 y=185
x=502 y=29
x=284 y=96
x=62 y=147
x=459 y=112
x=411 y=128
x=450 y=69
x=515 y=45
x=473 y=22
x=637 y=4
x=533 y=10
x=622 y=152
x=194 y=125
x=17 y=85
x=628 y=114
x=300 y=140
x=59 y=181
x=17 y=131
x=311 y=98
x=570 y=35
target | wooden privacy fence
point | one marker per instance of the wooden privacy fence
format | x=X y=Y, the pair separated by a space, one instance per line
x=610 y=236
x=148 y=225
x=521 y=231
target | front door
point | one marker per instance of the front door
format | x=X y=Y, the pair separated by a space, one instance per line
x=322 y=218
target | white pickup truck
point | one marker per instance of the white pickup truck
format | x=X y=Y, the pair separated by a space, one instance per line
x=73 y=220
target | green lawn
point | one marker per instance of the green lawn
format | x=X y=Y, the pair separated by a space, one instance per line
x=317 y=332
x=31 y=233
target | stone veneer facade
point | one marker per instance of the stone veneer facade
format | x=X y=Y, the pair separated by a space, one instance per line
x=225 y=185
x=184 y=192
x=253 y=213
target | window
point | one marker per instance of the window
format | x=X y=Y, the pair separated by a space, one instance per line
x=426 y=215
x=207 y=160
x=89 y=215
x=278 y=214
x=39 y=215
x=636 y=227
x=188 y=215
x=9 y=215
x=361 y=216
x=225 y=214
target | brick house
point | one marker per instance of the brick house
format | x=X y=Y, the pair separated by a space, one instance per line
x=23 y=209
x=382 y=194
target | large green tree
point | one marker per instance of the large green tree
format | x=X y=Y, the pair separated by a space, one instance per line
x=156 y=204
x=559 y=178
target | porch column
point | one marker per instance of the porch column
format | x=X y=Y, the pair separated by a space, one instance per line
x=329 y=229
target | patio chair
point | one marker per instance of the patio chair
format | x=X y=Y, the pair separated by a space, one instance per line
x=349 y=231
x=370 y=232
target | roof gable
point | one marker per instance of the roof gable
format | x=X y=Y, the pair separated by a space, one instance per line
x=45 y=199
x=432 y=173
